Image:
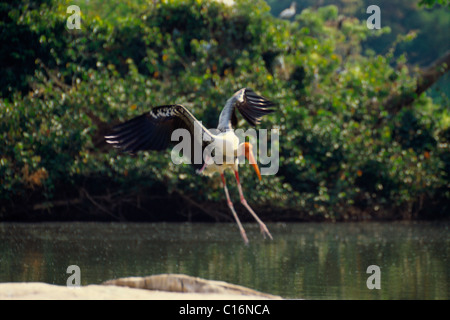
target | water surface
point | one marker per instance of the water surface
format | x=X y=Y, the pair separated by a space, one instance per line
x=305 y=260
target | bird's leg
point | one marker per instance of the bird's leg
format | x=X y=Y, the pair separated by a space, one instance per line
x=230 y=205
x=262 y=226
x=204 y=165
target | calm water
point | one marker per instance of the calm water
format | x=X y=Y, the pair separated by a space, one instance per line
x=308 y=260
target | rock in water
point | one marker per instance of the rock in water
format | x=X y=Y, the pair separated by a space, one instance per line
x=187 y=284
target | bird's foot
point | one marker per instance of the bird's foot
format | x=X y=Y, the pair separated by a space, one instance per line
x=244 y=236
x=204 y=165
x=200 y=171
x=265 y=231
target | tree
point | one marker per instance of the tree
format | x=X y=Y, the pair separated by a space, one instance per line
x=359 y=136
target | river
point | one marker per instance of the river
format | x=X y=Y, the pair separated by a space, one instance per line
x=304 y=260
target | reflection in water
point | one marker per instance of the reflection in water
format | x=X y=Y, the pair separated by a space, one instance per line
x=309 y=260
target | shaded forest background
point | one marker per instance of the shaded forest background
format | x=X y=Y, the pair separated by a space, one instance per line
x=363 y=114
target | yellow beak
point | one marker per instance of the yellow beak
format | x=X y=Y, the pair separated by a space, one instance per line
x=251 y=158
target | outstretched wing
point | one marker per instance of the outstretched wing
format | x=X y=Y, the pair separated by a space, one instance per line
x=153 y=130
x=251 y=106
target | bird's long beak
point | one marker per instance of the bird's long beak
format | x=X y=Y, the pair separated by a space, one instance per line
x=251 y=158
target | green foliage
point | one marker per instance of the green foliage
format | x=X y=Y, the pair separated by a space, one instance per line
x=25 y=38
x=431 y=3
x=401 y=17
x=405 y=17
x=343 y=154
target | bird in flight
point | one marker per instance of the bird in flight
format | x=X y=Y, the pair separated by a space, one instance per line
x=288 y=12
x=219 y=151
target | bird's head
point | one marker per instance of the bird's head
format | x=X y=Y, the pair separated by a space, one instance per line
x=246 y=149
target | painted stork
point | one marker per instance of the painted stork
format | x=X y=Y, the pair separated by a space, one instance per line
x=289 y=12
x=153 y=130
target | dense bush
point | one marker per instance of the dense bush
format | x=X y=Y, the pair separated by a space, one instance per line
x=344 y=153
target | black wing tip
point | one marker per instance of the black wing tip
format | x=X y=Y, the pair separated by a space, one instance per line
x=254 y=107
x=149 y=131
x=263 y=101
